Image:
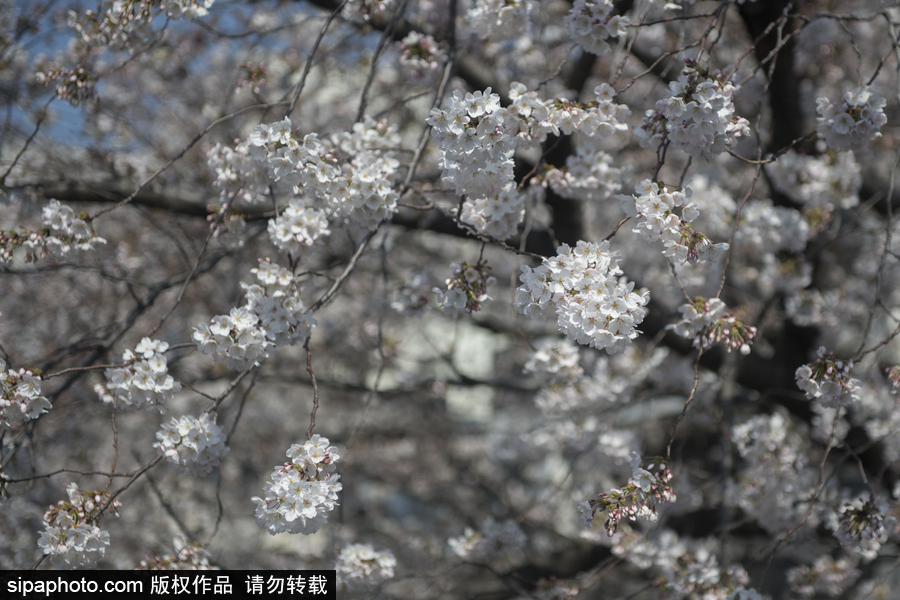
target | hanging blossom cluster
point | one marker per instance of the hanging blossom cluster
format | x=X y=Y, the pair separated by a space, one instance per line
x=493 y=539
x=144 y=383
x=477 y=137
x=499 y=20
x=466 y=288
x=274 y=315
x=893 y=375
x=77 y=84
x=852 y=122
x=188 y=557
x=20 y=396
x=360 y=567
x=303 y=491
x=298 y=227
x=582 y=287
x=71 y=537
x=707 y=322
x=591 y=22
x=638 y=499
x=420 y=54
x=556 y=361
x=498 y=216
x=347 y=174
x=697 y=117
x=821 y=183
x=827 y=576
x=657 y=220
x=828 y=380
x=61 y=232
x=777 y=472
x=860 y=526
x=192 y=445
x=589 y=175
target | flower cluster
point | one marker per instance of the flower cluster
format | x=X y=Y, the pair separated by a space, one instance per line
x=477 y=137
x=707 y=322
x=860 y=526
x=852 y=122
x=476 y=148
x=588 y=175
x=498 y=216
x=893 y=374
x=821 y=183
x=499 y=20
x=595 y=120
x=188 y=557
x=827 y=576
x=20 y=395
x=647 y=487
x=360 y=567
x=828 y=380
x=557 y=360
x=420 y=54
x=77 y=84
x=593 y=306
x=61 y=231
x=192 y=445
x=654 y=210
x=71 y=536
x=188 y=9
x=697 y=117
x=492 y=540
x=349 y=172
x=591 y=22
x=298 y=227
x=274 y=315
x=697 y=574
x=777 y=481
x=466 y=288
x=303 y=491
x=144 y=383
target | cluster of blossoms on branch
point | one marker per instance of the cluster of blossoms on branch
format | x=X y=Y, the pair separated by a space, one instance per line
x=498 y=216
x=588 y=175
x=420 y=54
x=697 y=117
x=303 y=491
x=638 y=499
x=581 y=286
x=861 y=526
x=466 y=288
x=828 y=380
x=499 y=20
x=347 y=174
x=852 y=122
x=776 y=474
x=20 y=396
x=144 y=383
x=188 y=557
x=591 y=22
x=822 y=184
x=477 y=137
x=71 y=537
x=555 y=360
x=298 y=227
x=654 y=210
x=492 y=540
x=192 y=445
x=274 y=315
x=360 y=567
x=707 y=322
x=827 y=576
x=61 y=232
